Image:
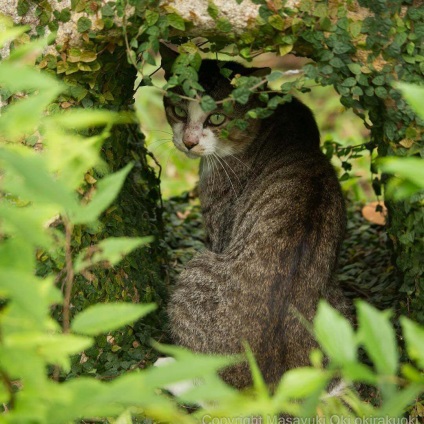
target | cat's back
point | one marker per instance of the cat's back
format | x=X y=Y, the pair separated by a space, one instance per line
x=287 y=186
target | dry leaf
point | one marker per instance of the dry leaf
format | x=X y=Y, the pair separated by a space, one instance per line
x=370 y=213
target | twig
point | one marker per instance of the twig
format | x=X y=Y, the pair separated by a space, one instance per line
x=9 y=386
x=69 y=279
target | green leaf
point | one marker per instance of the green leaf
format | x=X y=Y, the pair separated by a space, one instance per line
x=355 y=68
x=301 y=382
x=355 y=371
x=381 y=92
x=57 y=348
x=274 y=75
x=17 y=254
x=10 y=33
x=208 y=103
x=335 y=334
x=258 y=380
x=397 y=404
x=378 y=80
x=277 y=22
x=110 y=250
x=107 y=10
x=241 y=95
x=414 y=337
x=35 y=182
x=414 y=95
x=107 y=190
x=24 y=289
x=378 y=337
x=213 y=10
x=410 y=168
x=102 y=318
x=176 y=21
x=151 y=17
x=26 y=222
x=83 y=24
x=349 y=82
x=187 y=365
x=223 y=25
x=81 y=119
x=23 y=116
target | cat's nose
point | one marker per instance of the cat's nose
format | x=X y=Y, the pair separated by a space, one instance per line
x=190 y=142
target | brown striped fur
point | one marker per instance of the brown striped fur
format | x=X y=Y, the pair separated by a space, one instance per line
x=273 y=236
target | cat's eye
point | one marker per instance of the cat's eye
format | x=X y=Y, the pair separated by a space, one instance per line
x=216 y=119
x=180 y=112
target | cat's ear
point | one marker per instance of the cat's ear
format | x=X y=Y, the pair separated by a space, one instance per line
x=168 y=54
x=257 y=72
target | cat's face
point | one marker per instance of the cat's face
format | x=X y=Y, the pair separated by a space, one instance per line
x=198 y=133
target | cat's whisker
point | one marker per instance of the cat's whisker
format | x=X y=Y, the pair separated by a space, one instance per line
x=162 y=153
x=159 y=140
x=215 y=168
x=239 y=160
x=231 y=169
x=223 y=167
x=158 y=143
x=171 y=151
x=211 y=170
x=149 y=130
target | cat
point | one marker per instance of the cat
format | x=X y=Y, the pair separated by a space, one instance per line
x=274 y=217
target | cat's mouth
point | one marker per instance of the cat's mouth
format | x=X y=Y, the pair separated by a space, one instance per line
x=193 y=153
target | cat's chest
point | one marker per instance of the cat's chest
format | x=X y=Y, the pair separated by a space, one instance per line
x=221 y=189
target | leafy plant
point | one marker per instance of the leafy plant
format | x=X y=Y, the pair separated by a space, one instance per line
x=409 y=171
x=42 y=205
x=40 y=208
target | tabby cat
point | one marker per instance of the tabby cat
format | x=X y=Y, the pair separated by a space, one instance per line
x=274 y=217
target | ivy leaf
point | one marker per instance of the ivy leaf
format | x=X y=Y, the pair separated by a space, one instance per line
x=224 y=25
x=208 y=103
x=212 y=10
x=275 y=101
x=274 y=75
x=285 y=49
x=349 y=82
x=241 y=95
x=379 y=80
x=152 y=17
x=107 y=10
x=355 y=68
x=381 y=92
x=176 y=21
x=225 y=72
x=83 y=24
x=277 y=22
x=65 y=15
